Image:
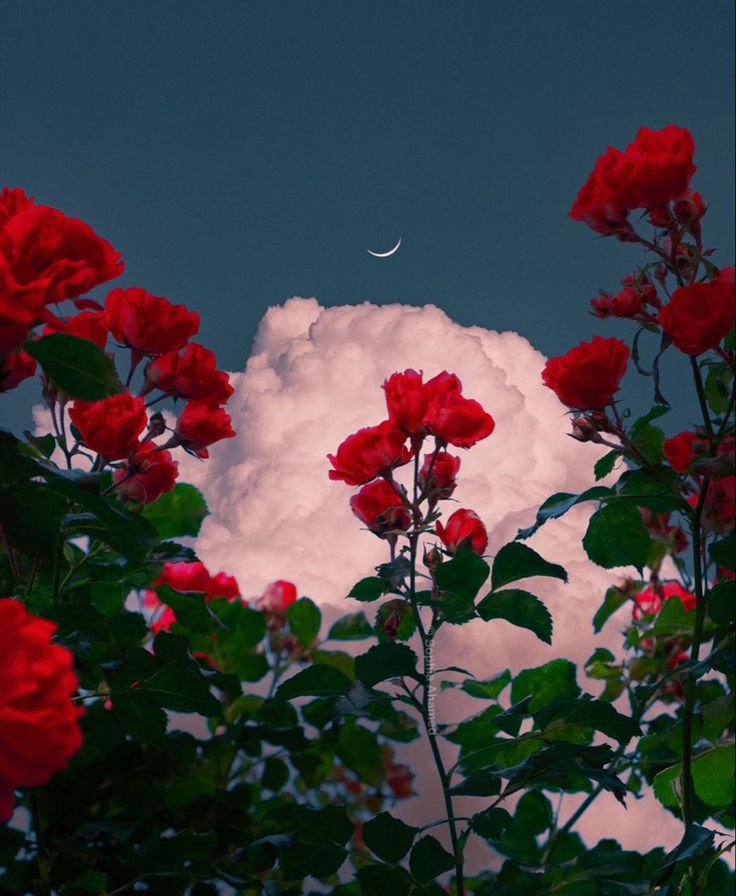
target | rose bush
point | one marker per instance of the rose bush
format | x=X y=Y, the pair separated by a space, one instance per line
x=229 y=743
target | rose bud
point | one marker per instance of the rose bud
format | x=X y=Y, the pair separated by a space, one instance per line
x=381 y=508
x=438 y=472
x=277 y=597
x=464 y=529
x=110 y=427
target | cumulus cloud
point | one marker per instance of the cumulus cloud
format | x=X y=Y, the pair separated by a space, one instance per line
x=313 y=377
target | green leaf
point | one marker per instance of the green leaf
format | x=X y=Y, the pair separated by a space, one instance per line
x=463 y=575
x=304 y=620
x=91 y=882
x=717 y=382
x=648 y=441
x=491 y=823
x=31 y=517
x=378 y=880
x=189 y=609
x=482 y=782
x=605 y=464
x=43 y=444
x=275 y=774
x=367 y=589
x=77 y=366
x=713 y=775
x=563 y=720
x=178 y=512
x=696 y=841
x=521 y=609
x=518 y=561
x=723 y=551
x=352 y=627
x=182 y=687
x=560 y=503
x=385 y=661
x=552 y=680
x=616 y=536
x=140 y=716
x=315 y=681
x=489 y=689
x=429 y=859
x=388 y=837
x=667 y=785
x=358 y=749
x=534 y=812
x=613 y=600
x=722 y=602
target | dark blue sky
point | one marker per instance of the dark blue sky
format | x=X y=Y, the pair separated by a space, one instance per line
x=238 y=153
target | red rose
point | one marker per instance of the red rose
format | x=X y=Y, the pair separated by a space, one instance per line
x=369 y=453
x=223 y=585
x=149 y=473
x=700 y=315
x=719 y=511
x=380 y=507
x=110 y=427
x=659 y=167
x=195 y=577
x=460 y=421
x=588 y=376
x=202 y=424
x=192 y=373
x=151 y=325
x=406 y=400
x=680 y=450
x=46 y=256
x=39 y=728
x=399 y=778
x=626 y=304
x=437 y=476
x=14 y=368
x=91 y=325
x=650 y=601
x=277 y=597
x=653 y=170
x=464 y=529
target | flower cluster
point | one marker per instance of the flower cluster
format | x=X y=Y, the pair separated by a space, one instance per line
x=417 y=410
x=47 y=258
x=695 y=314
x=39 y=728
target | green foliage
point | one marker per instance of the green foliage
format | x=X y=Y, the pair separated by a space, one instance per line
x=178 y=512
x=384 y=661
x=352 y=627
x=519 y=608
x=304 y=620
x=429 y=859
x=387 y=837
x=616 y=536
x=77 y=366
x=518 y=561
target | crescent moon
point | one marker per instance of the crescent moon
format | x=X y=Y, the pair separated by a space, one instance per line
x=385 y=254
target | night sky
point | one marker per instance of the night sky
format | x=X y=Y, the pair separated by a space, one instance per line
x=238 y=153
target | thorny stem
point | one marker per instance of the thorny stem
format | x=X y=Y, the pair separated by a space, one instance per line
x=42 y=887
x=702 y=401
x=426 y=639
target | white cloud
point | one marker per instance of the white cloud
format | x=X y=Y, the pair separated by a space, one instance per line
x=314 y=377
